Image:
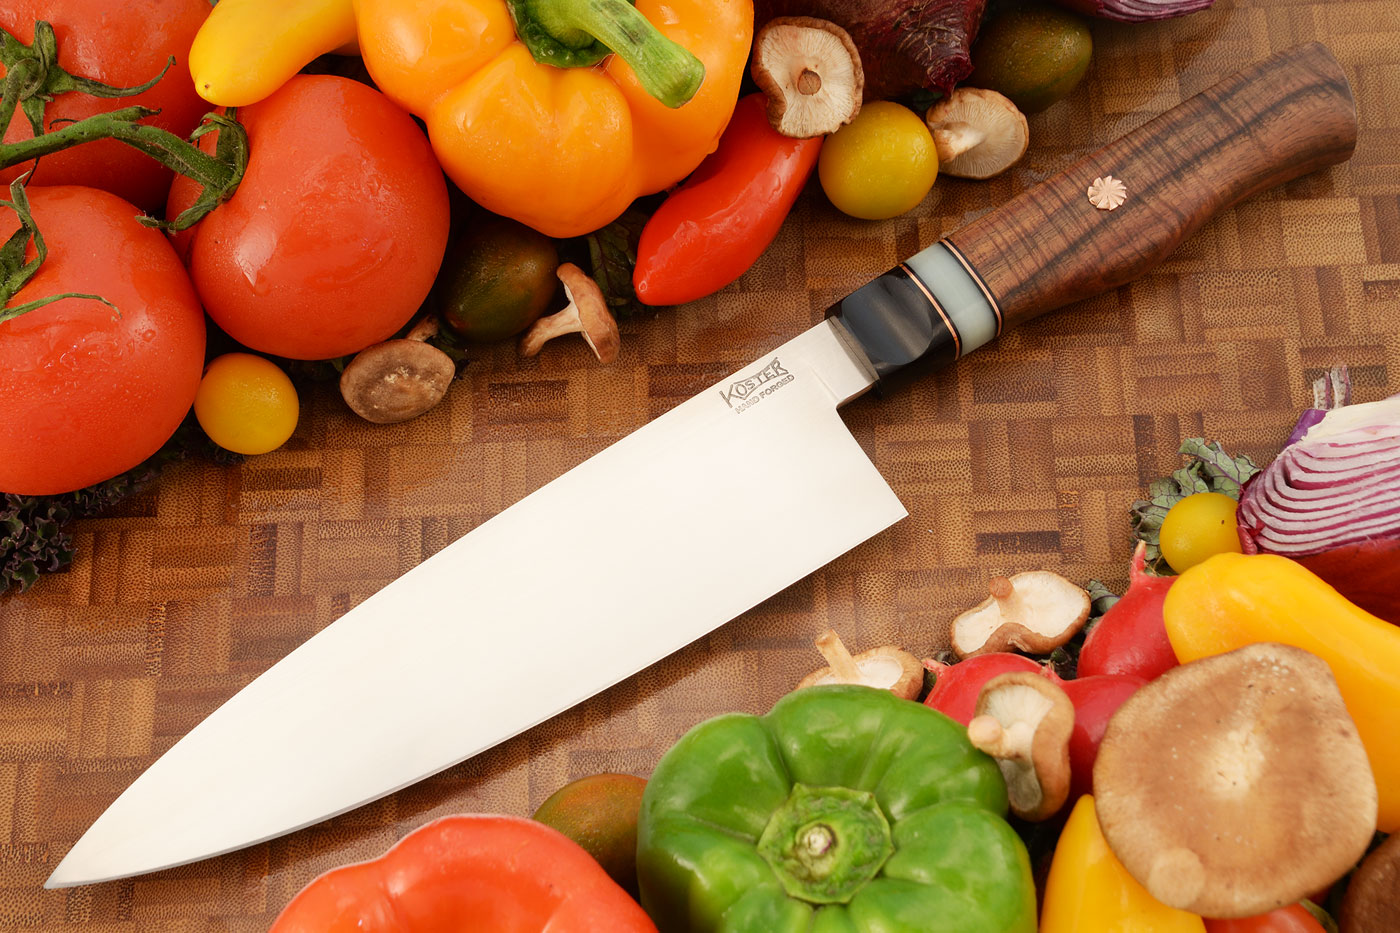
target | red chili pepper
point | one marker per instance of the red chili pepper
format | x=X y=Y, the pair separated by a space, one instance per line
x=1131 y=638
x=717 y=224
x=1291 y=919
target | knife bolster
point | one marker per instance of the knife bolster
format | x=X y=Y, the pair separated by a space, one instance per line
x=929 y=310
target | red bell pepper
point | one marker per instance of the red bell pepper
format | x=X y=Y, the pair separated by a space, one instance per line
x=1095 y=701
x=717 y=224
x=956 y=686
x=470 y=872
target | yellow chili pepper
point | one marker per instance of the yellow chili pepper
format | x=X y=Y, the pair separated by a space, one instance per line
x=559 y=113
x=1089 y=890
x=1232 y=600
x=247 y=49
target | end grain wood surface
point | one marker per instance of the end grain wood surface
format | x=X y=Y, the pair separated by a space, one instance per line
x=1026 y=455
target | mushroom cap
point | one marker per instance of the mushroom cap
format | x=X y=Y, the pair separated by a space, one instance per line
x=1042 y=612
x=886 y=667
x=1372 y=900
x=978 y=133
x=1024 y=720
x=811 y=73
x=396 y=380
x=1236 y=784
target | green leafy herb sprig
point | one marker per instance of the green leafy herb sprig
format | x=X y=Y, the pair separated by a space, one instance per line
x=1210 y=469
x=1064 y=660
x=34 y=535
x=612 y=256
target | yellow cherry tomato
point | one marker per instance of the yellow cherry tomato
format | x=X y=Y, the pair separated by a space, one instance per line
x=1199 y=526
x=879 y=165
x=246 y=404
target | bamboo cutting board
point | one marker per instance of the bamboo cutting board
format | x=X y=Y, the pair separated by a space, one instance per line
x=1026 y=455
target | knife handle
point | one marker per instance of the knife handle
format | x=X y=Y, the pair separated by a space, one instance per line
x=1282 y=118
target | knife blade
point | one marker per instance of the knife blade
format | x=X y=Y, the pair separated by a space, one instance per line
x=699 y=515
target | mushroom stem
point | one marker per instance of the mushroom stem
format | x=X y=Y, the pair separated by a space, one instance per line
x=834 y=650
x=808 y=82
x=1011 y=743
x=953 y=139
x=586 y=314
x=547 y=328
x=426 y=326
x=1004 y=592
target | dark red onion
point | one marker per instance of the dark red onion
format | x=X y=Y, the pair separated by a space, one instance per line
x=1135 y=11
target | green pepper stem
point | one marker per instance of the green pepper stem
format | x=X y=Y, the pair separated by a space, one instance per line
x=667 y=70
x=816 y=841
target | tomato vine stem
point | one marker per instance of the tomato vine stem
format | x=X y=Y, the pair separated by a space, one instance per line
x=14 y=271
x=33 y=77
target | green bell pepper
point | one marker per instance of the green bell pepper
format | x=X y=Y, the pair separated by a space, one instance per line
x=843 y=809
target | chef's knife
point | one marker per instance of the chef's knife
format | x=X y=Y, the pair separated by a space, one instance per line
x=699 y=515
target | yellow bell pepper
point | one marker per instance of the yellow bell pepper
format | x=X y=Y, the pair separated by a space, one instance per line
x=247 y=49
x=534 y=117
x=1089 y=890
x=1233 y=600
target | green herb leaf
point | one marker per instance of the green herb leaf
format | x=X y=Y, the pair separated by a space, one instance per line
x=612 y=257
x=1065 y=659
x=1210 y=469
x=1323 y=918
x=1226 y=474
x=34 y=537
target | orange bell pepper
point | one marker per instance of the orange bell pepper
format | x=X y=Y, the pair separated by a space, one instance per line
x=534 y=117
x=469 y=872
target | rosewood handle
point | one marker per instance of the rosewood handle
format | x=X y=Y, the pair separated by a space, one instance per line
x=1282 y=118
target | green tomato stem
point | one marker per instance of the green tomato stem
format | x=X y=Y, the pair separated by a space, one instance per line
x=14 y=271
x=43 y=80
x=32 y=77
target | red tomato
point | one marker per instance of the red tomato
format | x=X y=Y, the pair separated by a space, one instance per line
x=336 y=233
x=1291 y=919
x=123 y=45
x=86 y=392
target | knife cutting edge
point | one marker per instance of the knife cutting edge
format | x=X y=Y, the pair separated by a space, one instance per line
x=728 y=498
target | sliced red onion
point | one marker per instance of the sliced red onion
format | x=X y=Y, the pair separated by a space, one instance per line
x=1135 y=11
x=1337 y=484
x=1331 y=390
